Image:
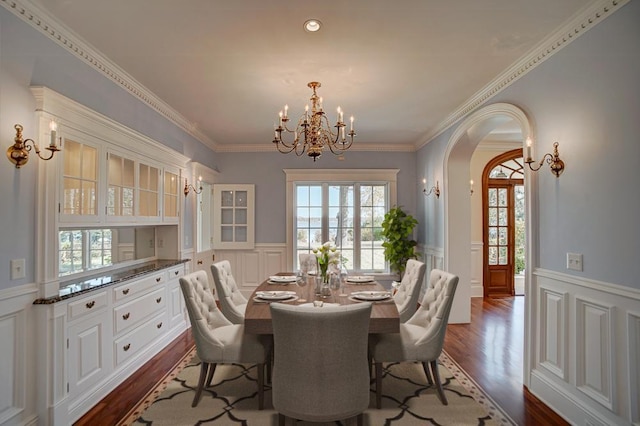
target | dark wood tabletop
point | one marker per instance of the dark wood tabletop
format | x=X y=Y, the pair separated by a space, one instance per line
x=384 y=314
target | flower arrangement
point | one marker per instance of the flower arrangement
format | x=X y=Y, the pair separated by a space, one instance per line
x=327 y=254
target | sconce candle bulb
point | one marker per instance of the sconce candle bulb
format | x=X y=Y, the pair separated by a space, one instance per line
x=18 y=153
x=553 y=160
x=188 y=187
x=434 y=189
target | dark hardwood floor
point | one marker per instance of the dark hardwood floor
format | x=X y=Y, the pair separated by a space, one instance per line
x=490 y=349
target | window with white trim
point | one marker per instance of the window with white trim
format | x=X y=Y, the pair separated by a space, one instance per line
x=346 y=207
x=83 y=249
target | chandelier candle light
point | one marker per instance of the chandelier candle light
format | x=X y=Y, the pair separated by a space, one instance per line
x=313 y=132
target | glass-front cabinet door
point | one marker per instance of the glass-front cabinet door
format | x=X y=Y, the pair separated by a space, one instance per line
x=171 y=196
x=148 y=192
x=121 y=187
x=79 y=200
x=233 y=216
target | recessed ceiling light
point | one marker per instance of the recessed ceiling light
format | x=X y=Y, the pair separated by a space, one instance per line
x=312 y=25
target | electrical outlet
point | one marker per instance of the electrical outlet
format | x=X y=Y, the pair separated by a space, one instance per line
x=574 y=261
x=17 y=269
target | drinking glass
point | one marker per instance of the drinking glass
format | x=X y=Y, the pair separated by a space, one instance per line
x=301 y=281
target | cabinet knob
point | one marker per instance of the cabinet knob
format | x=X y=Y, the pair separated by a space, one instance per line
x=199 y=262
x=89 y=305
x=125 y=291
x=159 y=325
x=126 y=316
x=159 y=299
x=158 y=279
x=126 y=347
x=176 y=272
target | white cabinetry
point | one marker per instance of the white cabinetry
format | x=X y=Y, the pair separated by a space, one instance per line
x=88 y=331
x=111 y=332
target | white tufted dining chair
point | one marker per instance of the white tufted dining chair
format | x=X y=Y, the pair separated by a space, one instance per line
x=421 y=338
x=408 y=291
x=232 y=303
x=320 y=370
x=218 y=341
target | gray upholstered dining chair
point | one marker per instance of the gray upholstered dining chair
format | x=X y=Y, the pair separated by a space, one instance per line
x=232 y=303
x=218 y=341
x=421 y=338
x=408 y=291
x=320 y=370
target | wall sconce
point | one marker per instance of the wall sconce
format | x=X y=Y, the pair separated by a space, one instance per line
x=434 y=189
x=471 y=187
x=188 y=186
x=553 y=160
x=18 y=153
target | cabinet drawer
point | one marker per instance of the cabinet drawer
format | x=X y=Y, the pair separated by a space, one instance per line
x=176 y=272
x=87 y=305
x=130 y=344
x=133 y=313
x=134 y=287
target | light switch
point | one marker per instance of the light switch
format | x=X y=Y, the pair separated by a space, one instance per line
x=17 y=269
x=574 y=261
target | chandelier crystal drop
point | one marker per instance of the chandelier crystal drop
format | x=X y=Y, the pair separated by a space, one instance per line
x=313 y=132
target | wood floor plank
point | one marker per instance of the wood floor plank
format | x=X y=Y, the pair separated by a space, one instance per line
x=489 y=349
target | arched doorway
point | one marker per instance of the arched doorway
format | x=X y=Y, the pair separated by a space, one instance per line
x=457 y=216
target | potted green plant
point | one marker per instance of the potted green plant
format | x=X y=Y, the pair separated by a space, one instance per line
x=397 y=230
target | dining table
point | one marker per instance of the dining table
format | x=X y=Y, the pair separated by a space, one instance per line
x=384 y=313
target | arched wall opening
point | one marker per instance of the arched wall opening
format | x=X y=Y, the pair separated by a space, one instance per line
x=457 y=209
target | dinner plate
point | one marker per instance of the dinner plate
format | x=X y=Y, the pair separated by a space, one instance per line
x=371 y=295
x=359 y=279
x=275 y=295
x=283 y=278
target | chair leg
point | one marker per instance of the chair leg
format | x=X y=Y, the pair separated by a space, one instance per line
x=378 y=385
x=436 y=376
x=260 y=386
x=281 y=419
x=360 y=419
x=212 y=369
x=425 y=367
x=204 y=368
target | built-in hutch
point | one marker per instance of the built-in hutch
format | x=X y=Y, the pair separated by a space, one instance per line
x=110 y=257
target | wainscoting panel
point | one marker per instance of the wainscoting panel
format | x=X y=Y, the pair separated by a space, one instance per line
x=587 y=348
x=433 y=257
x=594 y=370
x=251 y=267
x=17 y=359
x=553 y=331
x=477 y=289
x=633 y=321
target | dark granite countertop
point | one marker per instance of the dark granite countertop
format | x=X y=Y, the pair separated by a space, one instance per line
x=73 y=288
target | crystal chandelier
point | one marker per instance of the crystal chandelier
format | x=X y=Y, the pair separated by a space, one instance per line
x=313 y=131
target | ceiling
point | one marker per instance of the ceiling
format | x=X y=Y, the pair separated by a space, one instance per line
x=401 y=68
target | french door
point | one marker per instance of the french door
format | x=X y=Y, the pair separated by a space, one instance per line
x=503 y=207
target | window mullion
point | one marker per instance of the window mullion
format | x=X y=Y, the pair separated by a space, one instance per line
x=325 y=212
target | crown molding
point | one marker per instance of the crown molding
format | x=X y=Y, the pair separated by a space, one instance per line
x=46 y=24
x=580 y=23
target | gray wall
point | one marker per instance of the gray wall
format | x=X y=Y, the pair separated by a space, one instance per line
x=28 y=58
x=586 y=97
x=265 y=170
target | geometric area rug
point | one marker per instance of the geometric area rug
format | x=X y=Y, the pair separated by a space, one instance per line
x=232 y=399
